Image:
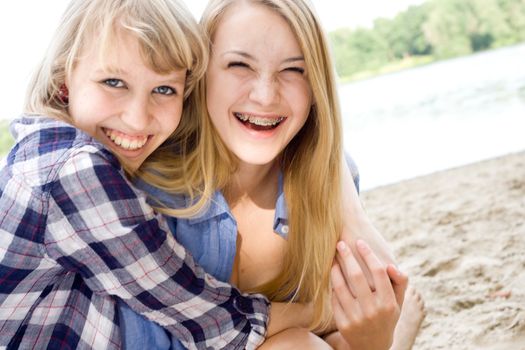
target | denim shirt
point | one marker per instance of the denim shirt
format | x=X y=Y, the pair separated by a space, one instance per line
x=211 y=238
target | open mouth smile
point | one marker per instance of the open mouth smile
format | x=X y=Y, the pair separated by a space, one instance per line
x=259 y=123
x=124 y=141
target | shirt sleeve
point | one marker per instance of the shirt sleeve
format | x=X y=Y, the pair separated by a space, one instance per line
x=101 y=227
x=353 y=170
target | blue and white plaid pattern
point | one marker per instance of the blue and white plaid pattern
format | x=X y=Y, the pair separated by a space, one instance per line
x=75 y=234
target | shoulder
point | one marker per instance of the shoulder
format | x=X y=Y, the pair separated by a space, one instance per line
x=44 y=145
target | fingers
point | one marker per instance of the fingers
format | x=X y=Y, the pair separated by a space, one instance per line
x=343 y=301
x=390 y=283
x=350 y=236
x=399 y=283
x=379 y=274
x=364 y=316
x=352 y=272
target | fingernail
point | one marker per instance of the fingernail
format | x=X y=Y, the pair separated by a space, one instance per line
x=341 y=246
x=363 y=246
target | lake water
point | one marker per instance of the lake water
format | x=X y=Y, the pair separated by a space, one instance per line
x=435 y=117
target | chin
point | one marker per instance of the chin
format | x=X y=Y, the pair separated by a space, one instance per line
x=257 y=159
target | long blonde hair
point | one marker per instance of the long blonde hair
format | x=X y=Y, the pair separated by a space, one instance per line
x=169 y=39
x=312 y=160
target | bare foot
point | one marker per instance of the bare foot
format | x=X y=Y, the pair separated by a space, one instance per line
x=412 y=315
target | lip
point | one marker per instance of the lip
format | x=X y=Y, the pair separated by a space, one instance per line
x=260 y=134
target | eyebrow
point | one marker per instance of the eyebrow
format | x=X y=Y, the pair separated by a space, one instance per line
x=250 y=57
x=177 y=80
x=114 y=70
x=294 y=59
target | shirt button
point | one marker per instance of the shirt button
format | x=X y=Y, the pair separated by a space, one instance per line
x=285 y=229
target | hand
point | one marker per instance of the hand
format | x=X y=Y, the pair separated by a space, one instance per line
x=366 y=318
x=364 y=230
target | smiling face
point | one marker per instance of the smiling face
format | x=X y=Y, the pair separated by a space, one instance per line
x=258 y=95
x=122 y=102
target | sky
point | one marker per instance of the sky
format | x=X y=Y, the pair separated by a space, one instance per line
x=26 y=27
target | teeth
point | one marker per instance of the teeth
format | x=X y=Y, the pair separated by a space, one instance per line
x=242 y=117
x=258 y=120
x=124 y=142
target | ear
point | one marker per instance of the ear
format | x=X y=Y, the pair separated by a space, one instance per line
x=63 y=94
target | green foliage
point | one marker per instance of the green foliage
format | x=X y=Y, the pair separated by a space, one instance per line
x=6 y=140
x=438 y=29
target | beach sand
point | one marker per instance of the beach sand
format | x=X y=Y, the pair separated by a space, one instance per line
x=460 y=234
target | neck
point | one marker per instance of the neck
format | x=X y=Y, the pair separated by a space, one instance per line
x=254 y=183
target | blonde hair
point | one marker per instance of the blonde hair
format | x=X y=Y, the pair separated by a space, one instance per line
x=169 y=39
x=312 y=160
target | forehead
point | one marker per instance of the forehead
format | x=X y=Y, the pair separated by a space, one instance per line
x=123 y=54
x=115 y=45
x=113 y=51
x=257 y=29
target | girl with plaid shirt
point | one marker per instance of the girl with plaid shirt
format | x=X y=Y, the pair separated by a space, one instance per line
x=75 y=234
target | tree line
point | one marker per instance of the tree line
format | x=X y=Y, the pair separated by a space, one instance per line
x=436 y=29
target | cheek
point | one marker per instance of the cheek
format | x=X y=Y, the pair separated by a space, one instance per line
x=216 y=103
x=91 y=102
x=223 y=89
x=172 y=116
x=302 y=101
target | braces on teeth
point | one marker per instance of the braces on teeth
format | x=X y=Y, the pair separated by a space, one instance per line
x=259 y=121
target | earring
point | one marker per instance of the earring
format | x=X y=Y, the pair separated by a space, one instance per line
x=63 y=94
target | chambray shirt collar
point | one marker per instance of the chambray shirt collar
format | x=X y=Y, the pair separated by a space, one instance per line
x=280 y=220
x=218 y=206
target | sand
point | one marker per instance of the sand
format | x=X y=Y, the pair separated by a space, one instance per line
x=460 y=234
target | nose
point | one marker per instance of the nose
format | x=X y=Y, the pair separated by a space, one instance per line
x=137 y=113
x=265 y=90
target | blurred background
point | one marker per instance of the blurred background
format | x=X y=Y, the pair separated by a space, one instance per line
x=424 y=85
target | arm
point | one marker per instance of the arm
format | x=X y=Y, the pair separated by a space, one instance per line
x=357 y=225
x=289 y=315
x=101 y=227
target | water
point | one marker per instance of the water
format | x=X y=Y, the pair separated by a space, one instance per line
x=436 y=117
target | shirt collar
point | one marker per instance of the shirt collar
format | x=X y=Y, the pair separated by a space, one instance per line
x=281 y=210
x=280 y=220
x=218 y=206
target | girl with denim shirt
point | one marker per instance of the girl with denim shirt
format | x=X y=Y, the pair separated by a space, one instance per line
x=271 y=130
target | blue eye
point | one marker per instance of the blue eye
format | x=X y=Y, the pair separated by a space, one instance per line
x=116 y=83
x=164 y=90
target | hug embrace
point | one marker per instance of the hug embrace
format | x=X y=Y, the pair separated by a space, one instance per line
x=183 y=186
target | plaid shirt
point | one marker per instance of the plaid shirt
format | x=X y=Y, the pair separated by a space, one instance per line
x=75 y=234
